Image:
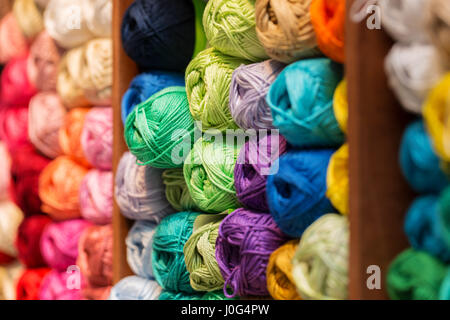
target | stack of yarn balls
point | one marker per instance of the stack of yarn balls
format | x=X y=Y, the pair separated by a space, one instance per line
x=236 y=174
x=56 y=187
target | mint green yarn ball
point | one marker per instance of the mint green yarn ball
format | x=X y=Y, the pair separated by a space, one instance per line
x=160 y=130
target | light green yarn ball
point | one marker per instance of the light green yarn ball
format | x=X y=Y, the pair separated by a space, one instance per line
x=209 y=174
x=230 y=28
x=177 y=192
x=160 y=130
x=217 y=295
x=208 y=78
x=320 y=263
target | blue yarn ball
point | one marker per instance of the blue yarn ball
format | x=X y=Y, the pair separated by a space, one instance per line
x=135 y=288
x=423 y=228
x=418 y=161
x=301 y=101
x=159 y=34
x=296 y=189
x=145 y=85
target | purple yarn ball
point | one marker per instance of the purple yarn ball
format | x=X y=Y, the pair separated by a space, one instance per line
x=253 y=166
x=246 y=240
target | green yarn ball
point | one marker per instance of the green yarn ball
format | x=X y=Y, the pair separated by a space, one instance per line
x=169 y=239
x=231 y=28
x=177 y=192
x=150 y=126
x=444 y=214
x=415 y=275
x=209 y=174
x=217 y=295
x=169 y=295
x=208 y=79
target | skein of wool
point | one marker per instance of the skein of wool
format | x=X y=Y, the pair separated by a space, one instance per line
x=8 y=278
x=139 y=191
x=340 y=105
x=14 y=127
x=159 y=34
x=246 y=240
x=320 y=264
x=5 y=172
x=168 y=263
x=97 y=137
x=301 y=101
x=59 y=242
x=139 y=243
x=252 y=168
x=444 y=292
x=208 y=79
x=328 y=20
x=177 y=192
x=248 y=90
x=438 y=26
x=29 y=284
x=338 y=180
x=54 y=287
x=415 y=275
x=230 y=28
x=209 y=173
x=285 y=29
x=95 y=255
x=46 y=115
x=280 y=283
x=28 y=240
x=29 y=17
x=59 y=188
x=170 y=295
x=12 y=41
x=160 y=131
x=98 y=16
x=135 y=288
x=413 y=70
x=10 y=218
x=146 y=84
x=96 y=196
x=443 y=221
x=296 y=194
x=419 y=163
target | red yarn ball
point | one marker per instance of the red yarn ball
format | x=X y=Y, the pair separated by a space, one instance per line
x=4 y=258
x=29 y=283
x=14 y=127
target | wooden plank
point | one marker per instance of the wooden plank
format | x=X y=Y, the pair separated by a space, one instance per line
x=379 y=196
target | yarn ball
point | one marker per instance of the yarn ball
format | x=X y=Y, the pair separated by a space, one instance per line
x=139 y=191
x=160 y=131
x=10 y=219
x=246 y=240
x=5 y=259
x=5 y=172
x=419 y=163
x=301 y=100
x=177 y=192
x=14 y=127
x=320 y=263
x=230 y=28
x=444 y=292
x=209 y=174
x=59 y=242
x=96 y=196
x=285 y=29
x=340 y=105
x=338 y=180
x=9 y=275
x=95 y=255
x=59 y=188
x=280 y=283
x=443 y=212
x=252 y=168
x=97 y=137
x=435 y=116
x=328 y=21
x=296 y=192
x=95 y=293
x=70 y=135
x=437 y=21
x=12 y=41
x=46 y=115
x=54 y=287
x=29 y=284
x=208 y=80
x=413 y=70
x=29 y=17
x=99 y=17
x=170 y=295
x=248 y=90
x=139 y=243
x=28 y=239
x=217 y=295
x=415 y=275
x=146 y=84
x=159 y=34
x=43 y=61
x=135 y=288
x=168 y=263
x=199 y=256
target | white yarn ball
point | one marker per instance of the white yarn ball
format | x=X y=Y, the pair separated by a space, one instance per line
x=99 y=17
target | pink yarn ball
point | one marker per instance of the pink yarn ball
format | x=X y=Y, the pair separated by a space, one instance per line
x=12 y=41
x=14 y=127
x=54 y=287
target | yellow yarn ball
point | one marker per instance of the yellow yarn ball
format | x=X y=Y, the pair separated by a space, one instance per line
x=337 y=179
x=340 y=105
x=29 y=17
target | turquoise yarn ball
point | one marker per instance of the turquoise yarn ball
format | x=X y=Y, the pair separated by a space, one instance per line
x=170 y=295
x=444 y=292
x=169 y=268
x=301 y=101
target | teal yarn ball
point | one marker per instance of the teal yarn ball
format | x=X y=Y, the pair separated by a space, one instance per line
x=444 y=292
x=169 y=268
x=214 y=295
x=160 y=130
x=301 y=101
